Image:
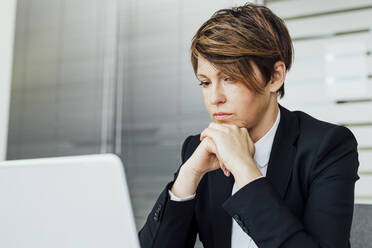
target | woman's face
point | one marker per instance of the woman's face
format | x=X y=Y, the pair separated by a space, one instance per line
x=245 y=107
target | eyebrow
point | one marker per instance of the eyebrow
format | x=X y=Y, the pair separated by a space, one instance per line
x=202 y=75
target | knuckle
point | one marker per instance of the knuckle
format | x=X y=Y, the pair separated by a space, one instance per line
x=236 y=129
x=225 y=130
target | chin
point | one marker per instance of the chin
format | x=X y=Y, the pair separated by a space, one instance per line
x=245 y=125
x=238 y=124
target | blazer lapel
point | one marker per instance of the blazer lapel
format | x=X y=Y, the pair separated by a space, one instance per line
x=220 y=188
x=278 y=172
x=283 y=151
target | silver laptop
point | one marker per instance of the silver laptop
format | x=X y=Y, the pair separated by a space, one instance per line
x=78 y=201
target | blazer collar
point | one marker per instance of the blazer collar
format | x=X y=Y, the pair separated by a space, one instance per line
x=278 y=173
x=283 y=151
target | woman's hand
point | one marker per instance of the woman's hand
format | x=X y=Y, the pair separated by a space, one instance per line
x=204 y=159
x=222 y=146
x=234 y=149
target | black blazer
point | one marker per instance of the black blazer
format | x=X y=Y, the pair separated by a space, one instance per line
x=305 y=200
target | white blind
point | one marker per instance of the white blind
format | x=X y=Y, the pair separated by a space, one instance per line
x=331 y=77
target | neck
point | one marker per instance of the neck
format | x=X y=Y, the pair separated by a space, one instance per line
x=266 y=122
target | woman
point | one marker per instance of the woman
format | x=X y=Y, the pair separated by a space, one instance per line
x=259 y=175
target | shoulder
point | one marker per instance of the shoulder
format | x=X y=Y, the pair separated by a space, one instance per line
x=325 y=142
x=317 y=132
x=323 y=149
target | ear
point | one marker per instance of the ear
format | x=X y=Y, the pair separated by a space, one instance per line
x=277 y=77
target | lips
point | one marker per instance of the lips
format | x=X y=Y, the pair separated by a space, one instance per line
x=222 y=115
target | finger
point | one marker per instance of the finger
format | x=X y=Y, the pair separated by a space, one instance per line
x=222 y=165
x=211 y=132
x=230 y=126
x=218 y=126
x=225 y=172
x=207 y=133
x=244 y=130
x=212 y=148
x=224 y=169
x=213 y=135
x=250 y=141
x=212 y=129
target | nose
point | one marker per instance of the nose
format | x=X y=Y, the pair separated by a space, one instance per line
x=217 y=95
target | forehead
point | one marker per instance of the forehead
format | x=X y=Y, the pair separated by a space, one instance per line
x=206 y=68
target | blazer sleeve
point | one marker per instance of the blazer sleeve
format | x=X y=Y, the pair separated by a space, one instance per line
x=329 y=207
x=170 y=223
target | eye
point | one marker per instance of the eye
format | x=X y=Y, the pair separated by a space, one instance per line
x=227 y=79
x=204 y=84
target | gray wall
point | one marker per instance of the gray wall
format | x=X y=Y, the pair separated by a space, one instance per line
x=60 y=103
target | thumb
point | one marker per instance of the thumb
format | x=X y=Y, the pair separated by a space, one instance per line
x=210 y=146
x=224 y=169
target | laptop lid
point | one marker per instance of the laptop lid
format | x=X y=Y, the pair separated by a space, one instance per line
x=78 y=201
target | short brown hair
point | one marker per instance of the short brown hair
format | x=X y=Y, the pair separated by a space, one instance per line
x=233 y=38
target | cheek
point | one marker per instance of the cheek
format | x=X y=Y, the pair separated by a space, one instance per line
x=205 y=97
x=247 y=106
x=243 y=98
x=206 y=100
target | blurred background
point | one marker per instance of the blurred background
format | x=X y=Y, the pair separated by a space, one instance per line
x=97 y=76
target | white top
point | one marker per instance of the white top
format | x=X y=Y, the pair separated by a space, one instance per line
x=239 y=239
